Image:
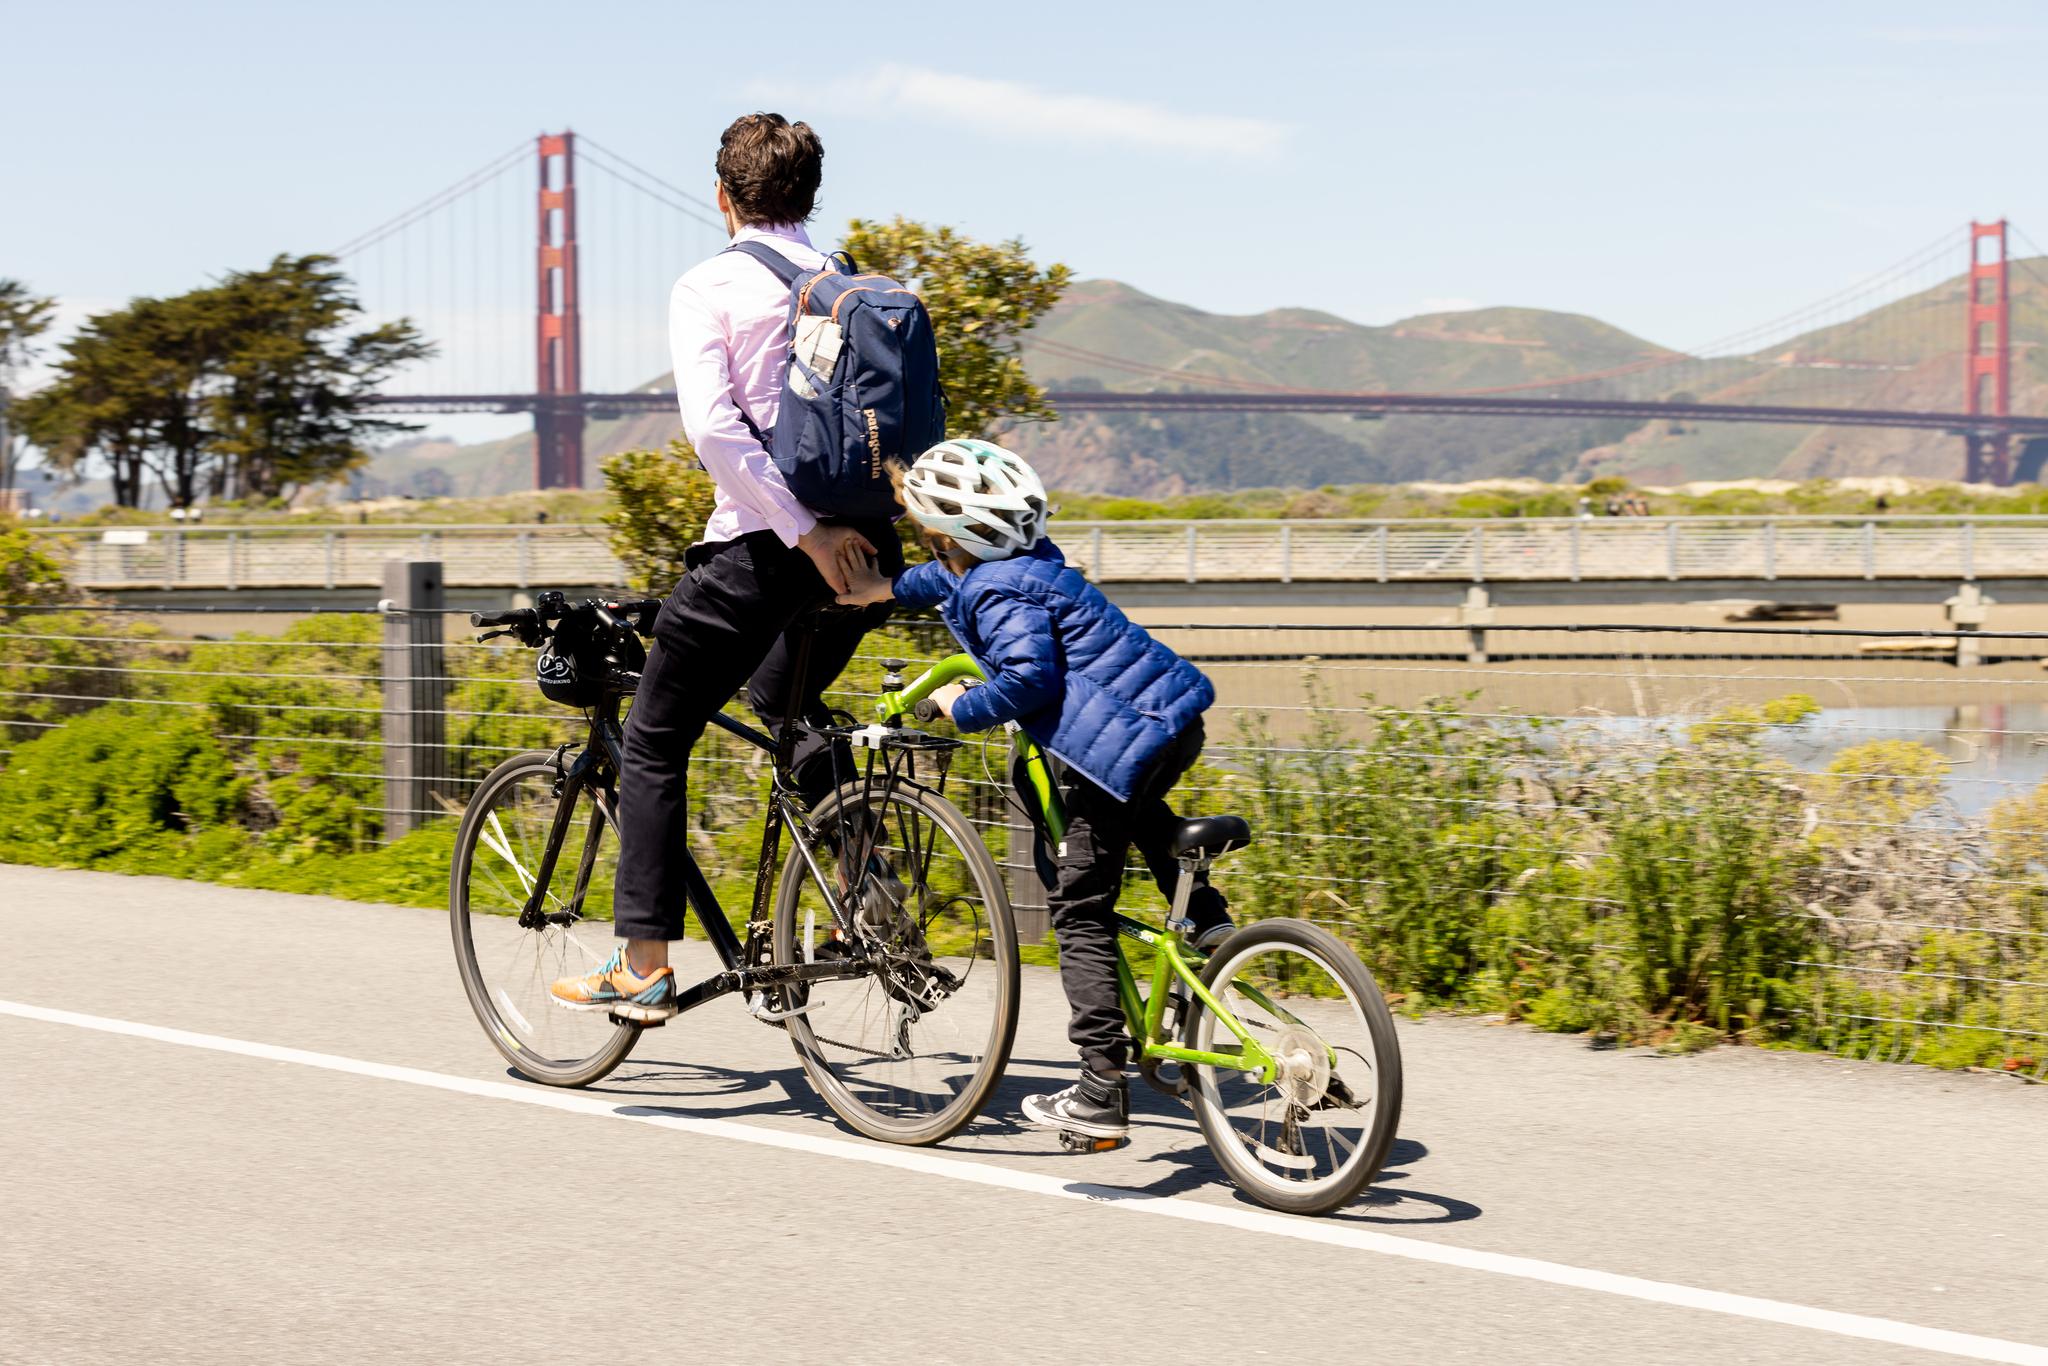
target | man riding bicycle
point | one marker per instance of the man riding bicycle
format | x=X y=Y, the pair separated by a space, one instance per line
x=765 y=560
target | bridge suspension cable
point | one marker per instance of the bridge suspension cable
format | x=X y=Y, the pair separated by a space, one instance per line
x=459 y=265
x=664 y=193
x=435 y=202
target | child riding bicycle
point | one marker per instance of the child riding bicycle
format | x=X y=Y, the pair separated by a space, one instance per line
x=1118 y=709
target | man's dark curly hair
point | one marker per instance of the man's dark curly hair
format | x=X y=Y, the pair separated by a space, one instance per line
x=770 y=168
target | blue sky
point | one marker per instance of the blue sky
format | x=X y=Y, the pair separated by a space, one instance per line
x=1682 y=171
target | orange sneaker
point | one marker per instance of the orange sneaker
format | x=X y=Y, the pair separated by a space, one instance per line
x=615 y=988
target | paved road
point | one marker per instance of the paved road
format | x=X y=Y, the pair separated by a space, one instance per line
x=386 y=1192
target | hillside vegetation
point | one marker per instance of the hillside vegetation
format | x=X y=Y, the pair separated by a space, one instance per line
x=1906 y=354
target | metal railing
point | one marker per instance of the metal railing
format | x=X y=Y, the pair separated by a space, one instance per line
x=1221 y=551
x=1896 y=807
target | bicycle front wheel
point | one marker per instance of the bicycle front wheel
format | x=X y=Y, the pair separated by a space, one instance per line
x=909 y=1052
x=507 y=966
x=1310 y=1139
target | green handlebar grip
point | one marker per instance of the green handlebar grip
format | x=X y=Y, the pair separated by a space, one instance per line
x=949 y=670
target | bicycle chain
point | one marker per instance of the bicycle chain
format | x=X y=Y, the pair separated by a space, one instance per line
x=855 y=1048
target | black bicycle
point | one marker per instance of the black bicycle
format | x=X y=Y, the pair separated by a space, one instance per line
x=885 y=947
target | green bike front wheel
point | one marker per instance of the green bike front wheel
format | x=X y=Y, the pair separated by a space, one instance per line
x=1309 y=1139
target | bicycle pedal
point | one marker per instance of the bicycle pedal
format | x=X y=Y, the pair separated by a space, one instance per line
x=1089 y=1143
x=640 y=1024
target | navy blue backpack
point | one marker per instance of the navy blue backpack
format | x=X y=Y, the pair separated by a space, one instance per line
x=862 y=387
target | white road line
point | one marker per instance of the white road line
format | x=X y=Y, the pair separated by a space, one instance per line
x=1941 y=1340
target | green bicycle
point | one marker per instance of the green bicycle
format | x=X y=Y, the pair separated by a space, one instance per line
x=1279 y=1039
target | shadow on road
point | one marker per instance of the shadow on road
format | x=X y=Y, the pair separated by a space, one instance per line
x=1387 y=1204
x=1194 y=1167
x=703 y=1091
x=709 y=1092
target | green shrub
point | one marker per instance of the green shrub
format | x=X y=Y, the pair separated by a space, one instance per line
x=1413 y=839
x=1878 y=784
x=662 y=500
x=30 y=575
x=301 y=708
x=119 y=787
x=1703 y=858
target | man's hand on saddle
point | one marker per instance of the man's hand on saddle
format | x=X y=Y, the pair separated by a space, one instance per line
x=832 y=549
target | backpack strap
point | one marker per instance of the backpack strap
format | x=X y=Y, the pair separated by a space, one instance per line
x=785 y=269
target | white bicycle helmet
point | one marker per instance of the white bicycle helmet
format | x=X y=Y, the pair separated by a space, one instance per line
x=981 y=495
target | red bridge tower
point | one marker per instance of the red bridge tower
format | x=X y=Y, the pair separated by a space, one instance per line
x=558 y=383
x=1987 y=381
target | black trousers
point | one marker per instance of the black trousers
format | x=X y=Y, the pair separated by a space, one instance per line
x=730 y=621
x=1085 y=874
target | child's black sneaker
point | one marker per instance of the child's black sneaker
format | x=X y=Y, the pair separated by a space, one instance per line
x=1098 y=1105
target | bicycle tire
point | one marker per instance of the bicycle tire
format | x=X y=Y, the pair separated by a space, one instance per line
x=814 y=1038
x=504 y=1023
x=1233 y=1150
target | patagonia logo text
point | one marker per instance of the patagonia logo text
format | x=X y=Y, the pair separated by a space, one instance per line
x=874 y=444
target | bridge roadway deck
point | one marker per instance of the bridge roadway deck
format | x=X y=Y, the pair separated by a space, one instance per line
x=392 y=1193
x=1240 y=562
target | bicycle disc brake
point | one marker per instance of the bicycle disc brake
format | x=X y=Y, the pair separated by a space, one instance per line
x=899 y=1037
x=1304 y=1067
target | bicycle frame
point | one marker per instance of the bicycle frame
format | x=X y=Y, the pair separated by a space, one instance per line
x=747 y=965
x=1173 y=956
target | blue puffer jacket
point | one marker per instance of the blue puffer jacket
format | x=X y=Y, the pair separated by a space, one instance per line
x=1064 y=662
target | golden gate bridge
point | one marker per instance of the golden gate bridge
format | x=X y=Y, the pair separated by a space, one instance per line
x=1920 y=345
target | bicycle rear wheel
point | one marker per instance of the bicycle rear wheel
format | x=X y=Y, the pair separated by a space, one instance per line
x=506 y=967
x=910 y=1052
x=1310 y=1140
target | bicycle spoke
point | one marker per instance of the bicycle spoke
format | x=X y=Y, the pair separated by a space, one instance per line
x=1295 y=1133
x=899 y=1047
x=514 y=965
x=493 y=838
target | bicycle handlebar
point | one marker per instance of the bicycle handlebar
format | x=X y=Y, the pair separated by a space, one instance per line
x=892 y=705
x=638 y=613
x=916 y=700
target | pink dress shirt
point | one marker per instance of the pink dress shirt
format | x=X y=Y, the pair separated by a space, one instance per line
x=728 y=330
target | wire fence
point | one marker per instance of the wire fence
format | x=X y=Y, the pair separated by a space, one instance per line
x=1828 y=834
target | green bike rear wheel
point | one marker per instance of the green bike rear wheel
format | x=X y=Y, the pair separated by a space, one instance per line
x=1312 y=1139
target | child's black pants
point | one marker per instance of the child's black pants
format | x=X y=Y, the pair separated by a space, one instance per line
x=1084 y=874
